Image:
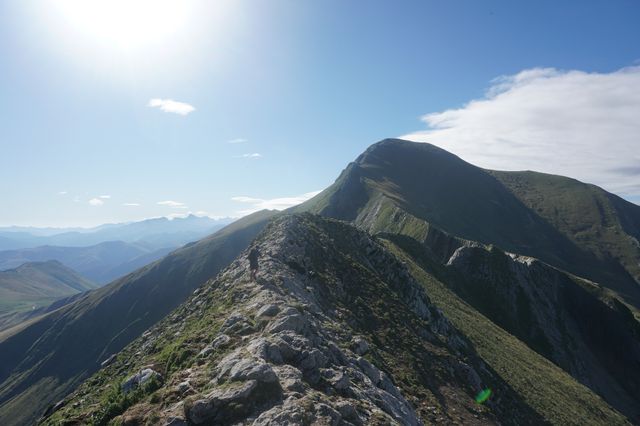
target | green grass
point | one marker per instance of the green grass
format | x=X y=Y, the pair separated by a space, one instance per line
x=595 y=220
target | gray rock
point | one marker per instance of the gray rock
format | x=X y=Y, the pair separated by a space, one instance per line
x=267 y=311
x=370 y=370
x=183 y=387
x=265 y=349
x=220 y=341
x=290 y=378
x=346 y=410
x=139 y=379
x=313 y=359
x=360 y=345
x=108 y=361
x=294 y=322
x=336 y=378
x=252 y=369
x=206 y=351
x=205 y=410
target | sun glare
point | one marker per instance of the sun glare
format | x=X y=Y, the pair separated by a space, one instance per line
x=125 y=24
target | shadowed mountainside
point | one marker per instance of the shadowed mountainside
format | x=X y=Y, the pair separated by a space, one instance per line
x=28 y=290
x=45 y=360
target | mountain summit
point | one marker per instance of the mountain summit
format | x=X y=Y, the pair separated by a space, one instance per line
x=577 y=227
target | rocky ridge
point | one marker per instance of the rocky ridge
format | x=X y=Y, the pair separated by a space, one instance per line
x=316 y=340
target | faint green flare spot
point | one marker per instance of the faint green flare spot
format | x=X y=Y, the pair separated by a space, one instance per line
x=483 y=395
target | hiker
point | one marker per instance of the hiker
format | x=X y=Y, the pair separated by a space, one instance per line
x=253 y=262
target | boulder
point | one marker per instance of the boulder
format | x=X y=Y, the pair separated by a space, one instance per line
x=267 y=311
x=140 y=378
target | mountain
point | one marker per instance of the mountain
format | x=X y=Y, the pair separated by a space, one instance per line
x=44 y=360
x=28 y=289
x=336 y=330
x=153 y=234
x=100 y=263
x=422 y=196
x=576 y=227
x=440 y=264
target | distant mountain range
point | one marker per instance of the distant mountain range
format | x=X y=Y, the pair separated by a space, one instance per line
x=30 y=288
x=151 y=233
x=100 y=263
x=440 y=281
x=107 y=252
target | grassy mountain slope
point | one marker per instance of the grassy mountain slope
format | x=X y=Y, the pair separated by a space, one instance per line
x=595 y=220
x=33 y=286
x=45 y=360
x=590 y=334
x=334 y=331
x=544 y=386
x=442 y=190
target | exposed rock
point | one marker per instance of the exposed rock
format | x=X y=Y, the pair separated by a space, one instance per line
x=267 y=311
x=139 y=379
x=360 y=345
x=108 y=361
x=221 y=341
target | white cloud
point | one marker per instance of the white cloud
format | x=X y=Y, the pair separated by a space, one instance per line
x=173 y=204
x=254 y=155
x=62 y=193
x=131 y=204
x=573 y=123
x=105 y=197
x=96 y=202
x=238 y=140
x=169 y=105
x=273 y=203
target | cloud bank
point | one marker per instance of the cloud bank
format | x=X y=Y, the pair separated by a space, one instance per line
x=273 y=203
x=572 y=123
x=169 y=105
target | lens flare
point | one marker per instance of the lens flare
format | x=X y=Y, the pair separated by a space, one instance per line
x=483 y=395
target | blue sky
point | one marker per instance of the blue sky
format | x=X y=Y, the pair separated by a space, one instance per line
x=306 y=85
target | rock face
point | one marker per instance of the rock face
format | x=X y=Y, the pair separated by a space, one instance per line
x=335 y=331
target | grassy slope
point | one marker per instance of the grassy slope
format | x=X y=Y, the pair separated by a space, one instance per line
x=36 y=285
x=594 y=219
x=65 y=346
x=554 y=394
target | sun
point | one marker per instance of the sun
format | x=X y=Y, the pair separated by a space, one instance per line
x=126 y=24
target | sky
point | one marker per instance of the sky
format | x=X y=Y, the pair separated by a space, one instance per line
x=117 y=110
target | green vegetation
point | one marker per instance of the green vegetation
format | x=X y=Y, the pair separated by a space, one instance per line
x=595 y=220
x=115 y=401
x=25 y=291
